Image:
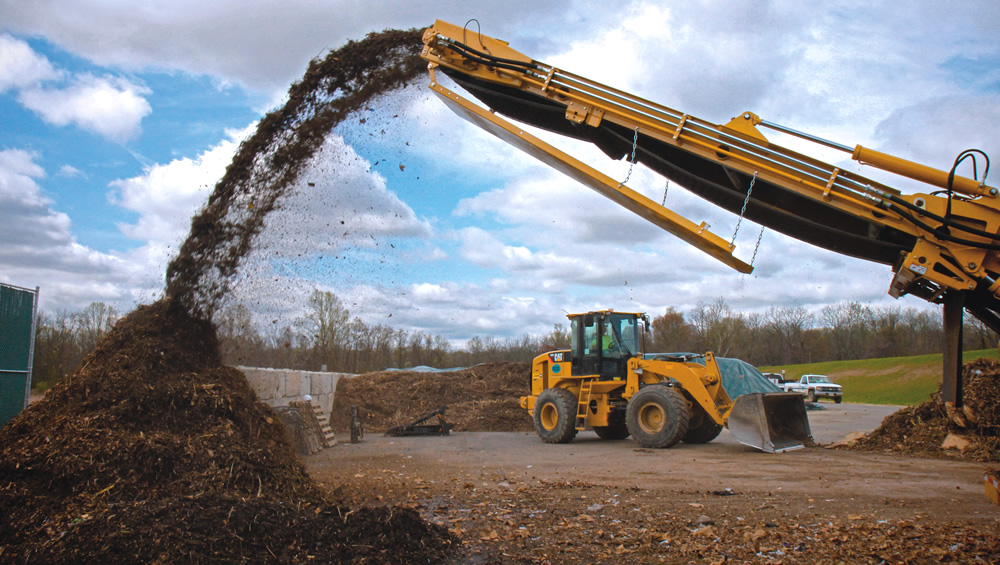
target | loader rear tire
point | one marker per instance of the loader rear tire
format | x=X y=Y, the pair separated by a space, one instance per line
x=657 y=416
x=555 y=415
x=701 y=427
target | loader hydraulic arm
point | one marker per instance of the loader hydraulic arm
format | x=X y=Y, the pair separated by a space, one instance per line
x=936 y=242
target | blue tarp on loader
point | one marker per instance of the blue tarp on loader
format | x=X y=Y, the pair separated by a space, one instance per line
x=738 y=376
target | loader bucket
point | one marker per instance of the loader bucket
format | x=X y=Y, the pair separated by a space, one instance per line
x=772 y=422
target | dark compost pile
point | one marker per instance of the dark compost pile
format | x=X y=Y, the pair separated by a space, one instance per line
x=153 y=451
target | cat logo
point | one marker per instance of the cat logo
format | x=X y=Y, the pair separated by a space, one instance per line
x=556 y=357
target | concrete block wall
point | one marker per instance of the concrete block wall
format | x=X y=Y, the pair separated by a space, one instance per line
x=278 y=387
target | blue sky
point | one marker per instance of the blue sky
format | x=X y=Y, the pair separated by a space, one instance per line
x=120 y=116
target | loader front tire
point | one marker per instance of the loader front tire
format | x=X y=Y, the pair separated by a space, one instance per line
x=657 y=416
x=701 y=427
x=555 y=415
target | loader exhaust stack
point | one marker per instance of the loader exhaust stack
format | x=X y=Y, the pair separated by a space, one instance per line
x=772 y=422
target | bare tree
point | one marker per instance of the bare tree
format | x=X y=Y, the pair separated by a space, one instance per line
x=889 y=334
x=670 y=333
x=849 y=326
x=717 y=326
x=787 y=326
x=93 y=322
x=978 y=335
x=57 y=352
x=558 y=338
x=326 y=325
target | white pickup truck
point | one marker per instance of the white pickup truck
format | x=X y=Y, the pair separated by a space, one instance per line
x=815 y=387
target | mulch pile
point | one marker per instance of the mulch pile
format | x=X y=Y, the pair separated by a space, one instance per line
x=152 y=452
x=483 y=398
x=922 y=429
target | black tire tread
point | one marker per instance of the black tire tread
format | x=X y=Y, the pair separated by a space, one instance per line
x=675 y=408
x=565 y=403
x=701 y=427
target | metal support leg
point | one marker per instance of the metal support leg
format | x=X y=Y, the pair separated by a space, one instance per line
x=951 y=383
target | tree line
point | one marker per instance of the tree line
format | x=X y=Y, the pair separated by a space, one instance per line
x=326 y=337
x=63 y=339
x=792 y=335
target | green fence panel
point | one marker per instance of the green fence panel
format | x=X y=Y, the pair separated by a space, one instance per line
x=17 y=344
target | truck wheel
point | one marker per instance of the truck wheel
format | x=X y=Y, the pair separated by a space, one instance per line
x=838 y=399
x=555 y=415
x=657 y=416
x=619 y=431
x=812 y=395
x=701 y=427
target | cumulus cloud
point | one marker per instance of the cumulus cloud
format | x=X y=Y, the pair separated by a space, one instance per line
x=166 y=196
x=20 y=66
x=39 y=248
x=108 y=106
x=28 y=220
x=266 y=47
x=946 y=125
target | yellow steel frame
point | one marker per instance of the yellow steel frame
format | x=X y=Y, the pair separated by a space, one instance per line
x=740 y=146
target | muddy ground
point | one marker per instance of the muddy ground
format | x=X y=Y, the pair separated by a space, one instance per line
x=513 y=499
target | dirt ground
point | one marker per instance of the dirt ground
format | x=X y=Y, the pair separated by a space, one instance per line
x=512 y=498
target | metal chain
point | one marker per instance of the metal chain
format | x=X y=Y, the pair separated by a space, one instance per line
x=635 y=143
x=743 y=210
x=666 y=188
x=759 y=237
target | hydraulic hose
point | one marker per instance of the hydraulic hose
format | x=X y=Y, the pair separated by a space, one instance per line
x=944 y=220
x=942 y=235
x=490 y=60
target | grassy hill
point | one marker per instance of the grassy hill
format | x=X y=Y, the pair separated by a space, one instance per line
x=891 y=380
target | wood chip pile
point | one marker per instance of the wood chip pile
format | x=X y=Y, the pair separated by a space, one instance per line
x=922 y=429
x=152 y=452
x=484 y=398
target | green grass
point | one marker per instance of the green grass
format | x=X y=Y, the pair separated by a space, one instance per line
x=890 y=380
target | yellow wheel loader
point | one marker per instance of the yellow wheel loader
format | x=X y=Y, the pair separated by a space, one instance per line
x=606 y=383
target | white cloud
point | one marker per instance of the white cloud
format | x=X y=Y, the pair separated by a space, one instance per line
x=18 y=164
x=20 y=66
x=71 y=171
x=166 y=196
x=109 y=106
x=947 y=125
x=270 y=45
x=39 y=248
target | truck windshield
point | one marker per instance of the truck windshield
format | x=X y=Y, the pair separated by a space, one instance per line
x=819 y=379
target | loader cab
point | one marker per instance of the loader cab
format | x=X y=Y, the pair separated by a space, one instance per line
x=604 y=341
